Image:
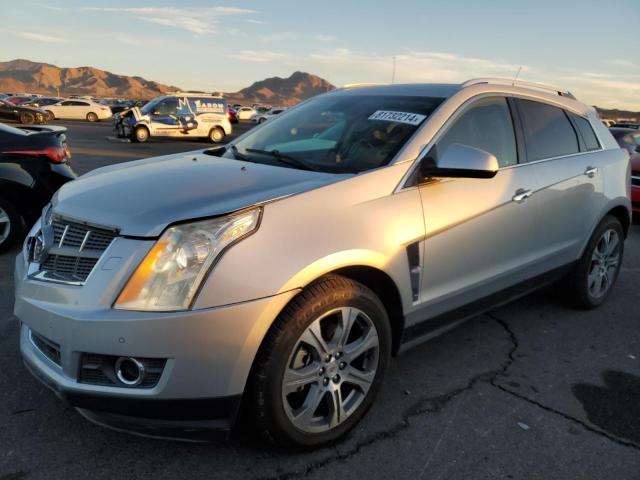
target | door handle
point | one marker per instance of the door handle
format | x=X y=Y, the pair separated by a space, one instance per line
x=591 y=172
x=521 y=195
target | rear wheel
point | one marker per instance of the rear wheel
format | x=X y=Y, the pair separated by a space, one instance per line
x=321 y=364
x=593 y=278
x=27 y=118
x=92 y=117
x=10 y=225
x=141 y=134
x=216 y=135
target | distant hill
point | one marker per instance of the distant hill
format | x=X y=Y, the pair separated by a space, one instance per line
x=282 y=91
x=614 y=114
x=35 y=77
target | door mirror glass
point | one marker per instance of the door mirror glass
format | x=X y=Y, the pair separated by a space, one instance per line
x=461 y=161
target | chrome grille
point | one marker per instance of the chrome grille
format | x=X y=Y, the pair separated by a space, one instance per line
x=76 y=249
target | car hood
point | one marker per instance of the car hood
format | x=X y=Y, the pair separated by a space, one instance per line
x=141 y=198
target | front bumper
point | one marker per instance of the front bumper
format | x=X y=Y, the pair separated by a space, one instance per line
x=208 y=355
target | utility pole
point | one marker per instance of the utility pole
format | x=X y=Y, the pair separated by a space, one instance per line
x=393 y=73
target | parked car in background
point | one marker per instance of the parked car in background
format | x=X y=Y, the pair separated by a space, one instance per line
x=33 y=166
x=264 y=116
x=40 y=102
x=284 y=274
x=635 y=126
x=245 y=113
x=78 y=109
x=19 y=99
x=21 y=113
x=118 y=106
x=231 y=115
x=629 y=139
x=179 y=115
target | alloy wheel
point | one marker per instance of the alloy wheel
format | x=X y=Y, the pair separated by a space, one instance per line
x=330 y=370
x=605 y=262
x=5 y=225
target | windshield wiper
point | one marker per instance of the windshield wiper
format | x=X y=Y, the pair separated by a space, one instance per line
x=283 y=158
x=238 y=155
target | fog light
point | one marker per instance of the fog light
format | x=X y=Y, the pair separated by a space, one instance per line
x=129 y=371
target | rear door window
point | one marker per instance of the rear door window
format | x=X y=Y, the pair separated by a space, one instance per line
x=548 y=132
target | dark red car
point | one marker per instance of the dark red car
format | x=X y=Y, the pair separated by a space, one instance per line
x=629 y=139
x=231 y=115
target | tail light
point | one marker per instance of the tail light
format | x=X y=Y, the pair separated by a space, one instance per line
x=55 y=154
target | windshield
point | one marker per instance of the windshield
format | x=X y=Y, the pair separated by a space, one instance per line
x=149 y=107
x=337 y=133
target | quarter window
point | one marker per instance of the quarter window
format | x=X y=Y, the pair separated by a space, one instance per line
x=548 y=132
x=589 y=138
x=486 y=125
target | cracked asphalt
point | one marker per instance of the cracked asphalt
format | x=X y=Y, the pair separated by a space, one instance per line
x=532 y=390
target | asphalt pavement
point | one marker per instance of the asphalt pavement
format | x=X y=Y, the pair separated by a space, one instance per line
x=532 y=390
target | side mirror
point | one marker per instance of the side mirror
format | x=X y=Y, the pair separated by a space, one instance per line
x=638 y=149
x=461 y=161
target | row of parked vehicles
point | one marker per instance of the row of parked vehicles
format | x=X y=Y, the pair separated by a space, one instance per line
x=277 y=275
x=40 y=110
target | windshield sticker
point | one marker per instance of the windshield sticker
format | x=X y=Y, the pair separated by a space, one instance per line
x=401 y=117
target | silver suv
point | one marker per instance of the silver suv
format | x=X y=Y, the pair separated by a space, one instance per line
x=282 y=271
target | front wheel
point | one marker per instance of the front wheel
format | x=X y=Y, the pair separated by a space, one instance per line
x=50 y=115
x=593 y=278
x=27 y=118
x=141 y=134
x=321 y=364
x=10 y=225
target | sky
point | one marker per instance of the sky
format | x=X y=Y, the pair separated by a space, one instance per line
x=591 y=48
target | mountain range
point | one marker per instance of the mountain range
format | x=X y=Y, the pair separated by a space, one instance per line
x=35 y=77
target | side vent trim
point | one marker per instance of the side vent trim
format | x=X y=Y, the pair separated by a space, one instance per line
x=415 y=269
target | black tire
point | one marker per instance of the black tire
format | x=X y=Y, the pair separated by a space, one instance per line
x=14 y=225
x=264 y=393
x=577 y=283
x=216 y=135
x=92 y=117
x=141 y=134
x=50 y=115
x=27 y=118
x=262 y=120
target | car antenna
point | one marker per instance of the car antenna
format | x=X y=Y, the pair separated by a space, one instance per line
x=517 y=75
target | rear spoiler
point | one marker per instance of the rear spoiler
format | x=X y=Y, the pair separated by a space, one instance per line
x=52 y=129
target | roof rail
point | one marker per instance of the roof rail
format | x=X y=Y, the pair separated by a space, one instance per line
x=202 y=94
x=519 y=83
x=365 y=84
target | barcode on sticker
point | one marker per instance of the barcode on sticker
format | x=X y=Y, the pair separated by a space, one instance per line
x=401 y=117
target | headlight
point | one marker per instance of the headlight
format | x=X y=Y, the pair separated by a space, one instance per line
x=173 y=270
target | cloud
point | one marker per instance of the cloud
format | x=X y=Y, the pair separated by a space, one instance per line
x=619 y=62
x=254 y=21
x=325 y=38
x=277 y=37
x=199 y=21
x=49 y=7
x=258 y=56
x=40 y=37
x=416 y=66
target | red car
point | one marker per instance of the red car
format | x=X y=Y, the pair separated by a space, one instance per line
x=231 y=115
x=18 y=99
x=629 y=139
